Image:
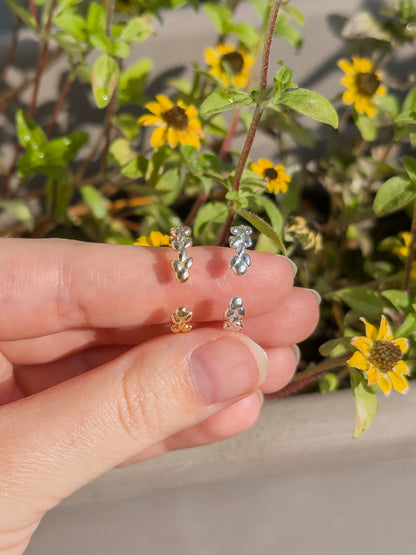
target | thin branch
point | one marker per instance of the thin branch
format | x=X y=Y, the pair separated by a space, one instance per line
x=11 y=52
x=411 y=255
x=58 y=106
x=302 y=379
x=274 y=11
x=41 y=61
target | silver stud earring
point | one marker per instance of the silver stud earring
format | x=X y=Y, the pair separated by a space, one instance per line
x=240 y=240
x=233 y=314
x=180 y=240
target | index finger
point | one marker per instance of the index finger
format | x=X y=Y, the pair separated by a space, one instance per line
x=51 y=285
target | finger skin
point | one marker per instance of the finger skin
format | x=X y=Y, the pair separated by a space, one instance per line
x=91 y=423
x=73 y=285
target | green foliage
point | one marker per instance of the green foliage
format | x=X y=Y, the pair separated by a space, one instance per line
x=366 y=404
x=347 y=218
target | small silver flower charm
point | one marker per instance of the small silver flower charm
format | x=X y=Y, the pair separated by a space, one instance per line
x=180 y=240
x=240 y=240
x=233 y=314
x=181 y=320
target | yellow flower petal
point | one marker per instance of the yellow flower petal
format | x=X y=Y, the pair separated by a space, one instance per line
x=173 y=136
x=358 y=360
x=370 y=330
x=362 y=343
x=402 y=367
x=384 y=333
x=402 y=343
x=158 y=137
x=155 y=107
x=148 y=119
x=399 y=382
x=165 y=102
x=373 y=374
x=385 y=384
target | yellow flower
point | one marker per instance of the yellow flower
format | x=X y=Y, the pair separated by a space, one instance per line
x=363 y=85
x=155 y=239
x=175 y=123
x=379 y=357
x=309 y=239
x=275 y=177
x=404 y=250
x=226 y=56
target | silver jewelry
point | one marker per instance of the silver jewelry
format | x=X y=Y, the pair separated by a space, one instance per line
x=181 y=320
x=233 y=314
x=180 y=240
x=240 y=240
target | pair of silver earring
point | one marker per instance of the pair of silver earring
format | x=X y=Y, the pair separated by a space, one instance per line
x=180 y=240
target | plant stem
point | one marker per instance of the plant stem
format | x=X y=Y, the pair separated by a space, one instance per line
x=302 y=379
x=41 y=60
x=410 y=256
x=110 y=12
x=274 y=11
x=11 y=52
x=58 y=106
x=34 y=12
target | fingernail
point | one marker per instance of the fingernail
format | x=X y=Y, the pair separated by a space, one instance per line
x=316 y=295
x=296 y=352
x=292 y=265
x=227 y=368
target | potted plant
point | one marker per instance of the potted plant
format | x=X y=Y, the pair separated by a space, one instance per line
x=336 y=196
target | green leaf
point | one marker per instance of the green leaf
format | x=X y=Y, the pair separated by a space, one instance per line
x=73 y=24
x=59 y=194
x=285 y=30
x=102 y=42
x=20 y=210
x=262 y=227
x=365 y=25
x=25 y=15
x=222 y=100
x=138 y=29
x=95 y=201
x=132 y=82
x=272 y=211
x=220 y=16
x=399 y=299
x=29 y=134
x=294 y=14
x=104 y=79
x=366 y=404
x=246 y=33
x=363 y=300
x=122 y=152
x=169 y=186
x=409 y=164
x=328 y=383
x=121 y=49
x=395 y=193
x=409 y=103
x=335 y=347
x=208 y=220
x=408 y=326
x=366 y=126
x=136 y=168
x=127 y=124
x=70 y=44
x=311 y=104
x=96 y=18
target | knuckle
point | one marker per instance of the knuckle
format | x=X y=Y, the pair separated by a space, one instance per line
x=137 y=407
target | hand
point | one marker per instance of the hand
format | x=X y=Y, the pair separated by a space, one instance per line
x=91 y=377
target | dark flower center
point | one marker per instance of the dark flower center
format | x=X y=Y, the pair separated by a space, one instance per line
x=234 y=60
x=367 y=83
x=384 y=355
x=270 y=174
x=176 y=117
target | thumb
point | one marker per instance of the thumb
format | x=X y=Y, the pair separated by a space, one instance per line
x=58 y=440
